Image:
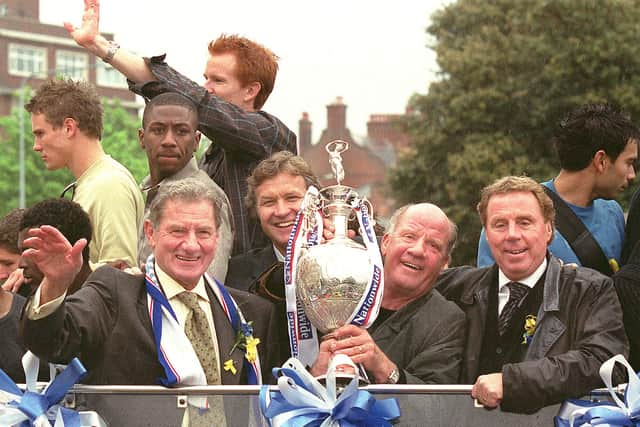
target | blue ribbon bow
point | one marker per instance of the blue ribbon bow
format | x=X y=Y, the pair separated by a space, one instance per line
x=302 y=402
x=578 y=413
x=33 y=405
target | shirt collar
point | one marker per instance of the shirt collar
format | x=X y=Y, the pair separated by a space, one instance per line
x=172 y=288
x=529 y=281
x=279 y=256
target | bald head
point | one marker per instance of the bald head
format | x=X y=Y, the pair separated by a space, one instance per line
x=426 y=210
x=416 y=249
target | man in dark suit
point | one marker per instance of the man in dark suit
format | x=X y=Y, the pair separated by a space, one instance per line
x=276 y=189
x=538 y=330
x=418 y=336
x=107 y=322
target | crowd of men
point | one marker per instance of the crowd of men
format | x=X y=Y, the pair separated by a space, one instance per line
x=184 y=273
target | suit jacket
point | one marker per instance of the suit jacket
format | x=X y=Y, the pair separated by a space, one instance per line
x=106 y=324
x=245 y=269
x=424 y=339
x=578 y=327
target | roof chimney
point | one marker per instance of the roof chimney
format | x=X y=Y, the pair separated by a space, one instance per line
x=304 y=134
x=336 y=117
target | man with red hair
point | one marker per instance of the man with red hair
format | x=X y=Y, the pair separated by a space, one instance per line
x=239 y=76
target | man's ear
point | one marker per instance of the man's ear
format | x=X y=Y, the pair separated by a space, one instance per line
x=69 y=126
x=384 y=244
x=141 y=138
x=600 y=161
x=196 y=143
x=251 y=91
x=149 y=233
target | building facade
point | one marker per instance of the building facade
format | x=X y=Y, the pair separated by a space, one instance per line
x=31 y=52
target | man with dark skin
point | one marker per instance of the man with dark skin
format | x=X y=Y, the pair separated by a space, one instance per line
x=170 y=138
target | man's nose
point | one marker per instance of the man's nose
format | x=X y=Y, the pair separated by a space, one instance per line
x=513 y=231
x=282 y=208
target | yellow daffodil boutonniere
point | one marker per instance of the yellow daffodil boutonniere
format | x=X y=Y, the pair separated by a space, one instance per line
x=529 y=329
x=244 y=341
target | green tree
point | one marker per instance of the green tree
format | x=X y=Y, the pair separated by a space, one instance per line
x=509 y=71
x=120 y=140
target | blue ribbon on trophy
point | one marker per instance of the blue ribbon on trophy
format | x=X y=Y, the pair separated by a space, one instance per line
x=301 y=401
x=585 y=413
x=32 y=408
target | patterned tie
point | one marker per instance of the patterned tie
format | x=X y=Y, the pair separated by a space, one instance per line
x=517 y=291
x=197 y=330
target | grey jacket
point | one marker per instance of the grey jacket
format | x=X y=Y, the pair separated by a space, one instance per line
x=425 y=339
x=579 y=326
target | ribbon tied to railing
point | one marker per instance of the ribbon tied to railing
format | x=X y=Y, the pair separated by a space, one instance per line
x=586 y=413
x=40 y=409
x=301 y=401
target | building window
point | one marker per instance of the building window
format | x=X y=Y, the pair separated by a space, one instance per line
x=108 y=76
x=74 y=65
x=27 y=61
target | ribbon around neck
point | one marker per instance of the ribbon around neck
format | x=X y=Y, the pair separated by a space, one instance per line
x=584 y=413
x=30 y=408
x=301 y=401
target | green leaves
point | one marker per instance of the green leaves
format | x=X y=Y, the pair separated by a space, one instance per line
x=509 y=72
x=120 y=140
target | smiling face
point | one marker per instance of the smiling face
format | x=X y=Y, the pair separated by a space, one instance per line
x=184 y=241
x=415 y=253
x=517 y=233
x=51 y=143
x=277 y=202
x=170 y=138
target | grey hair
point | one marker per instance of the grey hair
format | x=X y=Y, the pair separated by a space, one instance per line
x=453 y=228
x=184 y=190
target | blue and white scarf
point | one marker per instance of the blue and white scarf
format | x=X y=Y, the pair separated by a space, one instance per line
x=175 y=353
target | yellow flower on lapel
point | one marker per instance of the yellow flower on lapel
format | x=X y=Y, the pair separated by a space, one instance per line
x=229 y=366
x=245 y=341
x=529 y=329
x=252 y=349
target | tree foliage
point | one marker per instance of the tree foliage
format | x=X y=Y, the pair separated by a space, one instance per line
x=509 y=71
x=120 y=140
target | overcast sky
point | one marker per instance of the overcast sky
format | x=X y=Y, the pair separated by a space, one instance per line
x=372 y=53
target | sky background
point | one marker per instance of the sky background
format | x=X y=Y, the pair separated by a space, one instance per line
x=371 y=53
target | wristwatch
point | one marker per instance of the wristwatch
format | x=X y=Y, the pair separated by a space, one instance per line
x=112 y=48
x=394 y=376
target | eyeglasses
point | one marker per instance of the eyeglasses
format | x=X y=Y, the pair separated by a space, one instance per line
x=70 y=188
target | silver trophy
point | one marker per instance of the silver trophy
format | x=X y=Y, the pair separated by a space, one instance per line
x=332 y=277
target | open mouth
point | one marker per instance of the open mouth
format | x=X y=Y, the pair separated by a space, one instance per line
x=285 y=224
x=187 y=258
x=412 y=266
x=516 y=252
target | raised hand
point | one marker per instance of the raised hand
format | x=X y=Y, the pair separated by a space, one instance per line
x=55 y=257
x=86 y=34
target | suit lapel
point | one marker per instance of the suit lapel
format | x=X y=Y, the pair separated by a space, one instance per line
x=226 y=339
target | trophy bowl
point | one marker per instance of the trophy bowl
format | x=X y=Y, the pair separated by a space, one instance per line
x=332 y=277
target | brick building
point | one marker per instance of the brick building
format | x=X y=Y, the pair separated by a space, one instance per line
x=31 y=52
x=366 y=161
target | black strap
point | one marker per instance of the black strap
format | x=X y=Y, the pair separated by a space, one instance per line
x=580 y=239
